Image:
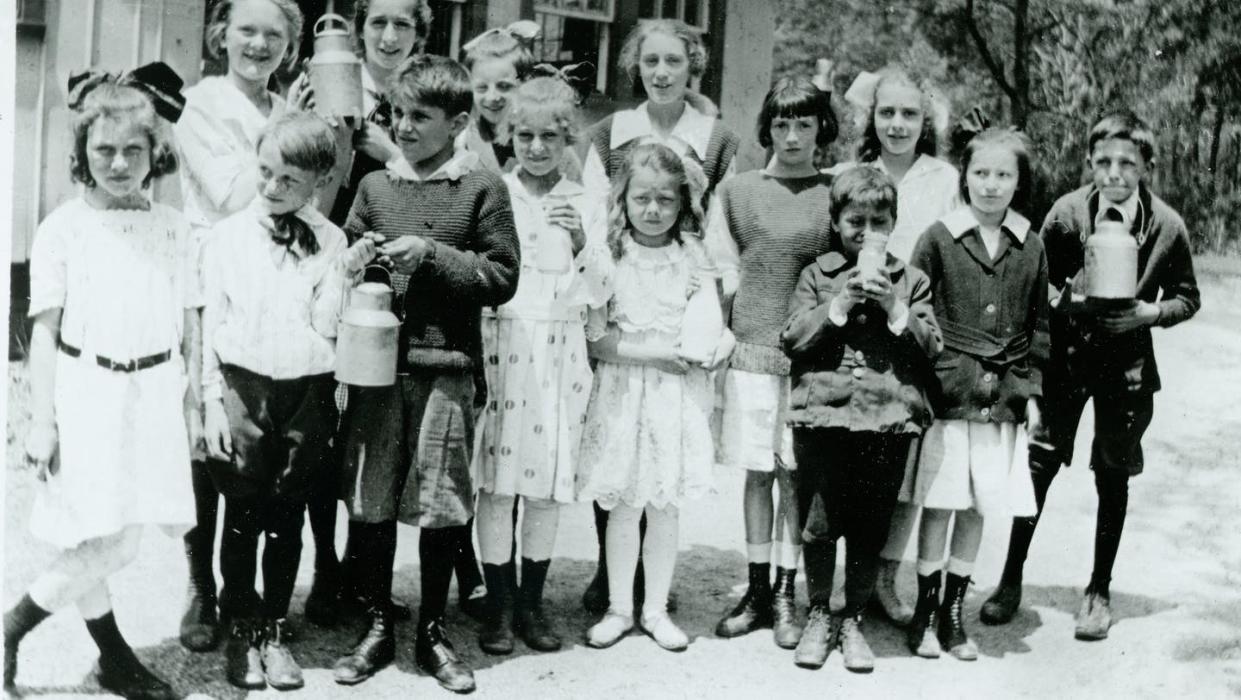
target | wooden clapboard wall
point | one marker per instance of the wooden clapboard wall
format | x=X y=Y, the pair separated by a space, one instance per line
x=56 y=37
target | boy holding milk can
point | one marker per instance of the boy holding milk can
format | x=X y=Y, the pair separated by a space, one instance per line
x=1120 y=259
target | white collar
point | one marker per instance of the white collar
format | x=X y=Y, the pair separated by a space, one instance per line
x=962 y=221
x=461 y=163
x=1128 y=208
x=693 y=128
x=564 y=187
x=309 y=212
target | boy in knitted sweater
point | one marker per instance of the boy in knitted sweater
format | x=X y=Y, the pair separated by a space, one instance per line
x=446 y=230
x=1107 y=356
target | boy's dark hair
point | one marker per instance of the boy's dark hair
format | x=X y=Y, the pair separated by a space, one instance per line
x=863 y=185
x=1020 y=146
x=794 y=97
x=1123 y=125
x=434 y=81
x=304 y=141
x=120 y=102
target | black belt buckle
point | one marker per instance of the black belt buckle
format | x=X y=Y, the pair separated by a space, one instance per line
x=110 y=364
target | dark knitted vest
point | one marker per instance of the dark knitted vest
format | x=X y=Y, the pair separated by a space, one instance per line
x=780 y=226
x=721 y=148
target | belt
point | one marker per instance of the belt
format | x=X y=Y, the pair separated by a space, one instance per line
x=128 y=366
x=983 y=345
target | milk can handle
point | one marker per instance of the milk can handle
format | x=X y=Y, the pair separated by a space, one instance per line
x=381 y=268
x=330 y=17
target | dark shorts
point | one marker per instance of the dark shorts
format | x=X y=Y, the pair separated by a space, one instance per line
x=848 y=483
x=282 y=435
x=1120 y=420
x=408 y=449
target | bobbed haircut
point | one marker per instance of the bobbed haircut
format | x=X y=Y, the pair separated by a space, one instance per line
x=422 y=23
x=690 y=180
x=303 y=139
x=222 y=14
x=865 y=186
x=125 y=104
x=1123 y=125
x=928 y=141
x=501 y=44
x=631 y=50
x=433 y=81
x=794 y=97
x=1014 y=141
x=546 y=98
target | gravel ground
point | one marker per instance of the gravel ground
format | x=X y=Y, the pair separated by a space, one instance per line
x=1176 y=591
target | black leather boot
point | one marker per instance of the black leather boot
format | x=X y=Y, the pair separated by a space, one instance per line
x=495 y=634
x=754 y=610
x=1002 y=606
x=595 y=597
x=120 y=671
x=434 y=654
x=785 y=629
x=951 y=633
x=375 y=649
x=200 y=624
x=530 y=621
x=920 y=635
x=18 y=621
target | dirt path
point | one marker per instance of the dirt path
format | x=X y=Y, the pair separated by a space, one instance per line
x=1177 y=587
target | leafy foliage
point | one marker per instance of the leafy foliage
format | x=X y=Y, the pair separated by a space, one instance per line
x=1052 y=67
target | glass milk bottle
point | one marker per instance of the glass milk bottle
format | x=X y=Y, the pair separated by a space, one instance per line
x=553 y=246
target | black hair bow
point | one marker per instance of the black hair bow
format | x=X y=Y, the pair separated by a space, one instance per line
x=973 y=123
x=157 y=81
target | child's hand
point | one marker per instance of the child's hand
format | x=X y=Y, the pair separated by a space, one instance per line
x=357 y=256
x=1036 y=429
x=375 y=142
x=878 y=288
x=404 y=253
x=194 y=426
x=852 y=294
x=218 y=435
x=1069 y=300
x=723 y=350
x=1141 y=314
x=41 y=441
x=565 y=216
x=301 y=96
x=693 y=284
x=668 y=360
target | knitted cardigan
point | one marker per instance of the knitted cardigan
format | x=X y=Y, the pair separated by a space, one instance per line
x=472 y=261
x=721 y=148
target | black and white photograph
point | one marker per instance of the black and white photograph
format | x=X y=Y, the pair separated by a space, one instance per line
x=621 y=348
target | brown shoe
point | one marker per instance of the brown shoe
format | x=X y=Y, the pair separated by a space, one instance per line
x=1094 y=618
x=858 y=656
x=243 y=663
x=816 y=639
x=279 y=667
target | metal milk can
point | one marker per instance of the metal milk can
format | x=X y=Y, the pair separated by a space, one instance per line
x=1111 y=263
x=367 y=339
x=335 y=72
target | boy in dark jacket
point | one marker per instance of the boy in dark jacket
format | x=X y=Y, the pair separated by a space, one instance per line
x=1105 y=355
x=861 y=343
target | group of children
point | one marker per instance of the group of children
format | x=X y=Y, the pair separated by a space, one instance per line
x=888 y=349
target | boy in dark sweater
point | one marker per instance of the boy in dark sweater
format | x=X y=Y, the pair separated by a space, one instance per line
x=1106 y=355
x=446 y=229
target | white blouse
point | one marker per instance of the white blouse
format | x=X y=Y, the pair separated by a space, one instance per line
x=269 y=310
x=216 y=136
x=544 y=296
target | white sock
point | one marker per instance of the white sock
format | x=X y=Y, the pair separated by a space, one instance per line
x=539 y=521
x=926 y=568
x=622 y=546
x=659 y=557
x=758 y=553
x=790 y=553
x=960 y=567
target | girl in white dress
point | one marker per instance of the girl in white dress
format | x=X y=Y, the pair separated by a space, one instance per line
x=113 y=297
x=538 y=376
x=900 y=139
x=647 y=442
